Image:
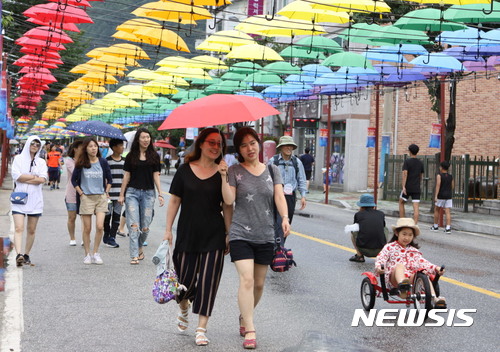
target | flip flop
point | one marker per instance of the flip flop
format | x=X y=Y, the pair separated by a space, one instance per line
x=134 y=261
x=141 y=256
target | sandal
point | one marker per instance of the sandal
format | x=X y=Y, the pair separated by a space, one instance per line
x=134 y=261
x=242 y=328
x=357 y=258
x=141 y=256
x=182 y=319
x=249 y=344
x=403 y=287
x=201 y=338
x=440 y=302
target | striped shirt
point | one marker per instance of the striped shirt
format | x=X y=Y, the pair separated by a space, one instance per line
x=117 y=175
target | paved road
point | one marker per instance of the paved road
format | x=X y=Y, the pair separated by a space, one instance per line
x=67 y=306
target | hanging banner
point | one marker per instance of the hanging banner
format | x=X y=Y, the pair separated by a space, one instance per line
x=384 y=150
x=370 y=140
x=435 y=139
x=255 y=7
x=323 y=137
x=191 y=133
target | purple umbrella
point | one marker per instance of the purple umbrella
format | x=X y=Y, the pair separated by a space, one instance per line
x=493 y=60
x=481 y=50
x=476 y=66
x=403 y=78
x=459 y=53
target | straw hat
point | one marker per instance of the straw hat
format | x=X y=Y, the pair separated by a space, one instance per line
x=406 y=222
x=286 y=140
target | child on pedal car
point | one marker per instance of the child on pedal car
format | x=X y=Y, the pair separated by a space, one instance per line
x=402 y=260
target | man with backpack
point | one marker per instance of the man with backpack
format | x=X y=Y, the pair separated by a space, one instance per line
x=292 y=171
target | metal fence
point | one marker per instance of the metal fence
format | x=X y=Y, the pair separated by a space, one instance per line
x=476 y=179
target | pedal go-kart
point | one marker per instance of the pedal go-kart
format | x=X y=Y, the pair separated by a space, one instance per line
x=420 y=294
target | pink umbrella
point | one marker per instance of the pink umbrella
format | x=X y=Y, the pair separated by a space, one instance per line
x=23 y=61
x=48 y=33
x=477 y=66
x=28 y=69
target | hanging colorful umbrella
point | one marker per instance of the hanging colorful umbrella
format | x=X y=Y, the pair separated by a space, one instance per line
x=50 y=34
x=254 y=52
x=302 y=10
x=301 y=52
x=347 y=59
x=282 y=68
x=58 y=14
x=429 y=20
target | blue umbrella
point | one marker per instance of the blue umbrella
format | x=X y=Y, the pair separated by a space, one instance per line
x=437 y=60
x=459 y=53
x=333 y=79
x=96 y=128
x=491 y=37
x=250 y=93
x=403 y=78
x=300 y=79
x=386 y=69
x=315 y=70
x=469 y=36
x=383 y=55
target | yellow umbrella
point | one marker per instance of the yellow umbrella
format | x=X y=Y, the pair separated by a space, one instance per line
x=214 y=3
x=301 y=10
x=168 y=79
x=60 y=124
x=41 y=122
x=96 y=52
x=189 y=72
x=352 y=5
x=254 y=52
x=144 y=74
x=127 y=36
x=86 y=86
x=110 y=61
x=207 y=62
x=452 y=2
x=234 y=37
x=114 y=103
x=279 y=27
x=132 y=25
x=99 y=78
x=159 y=87
x=127 y=50
x=162 y=37
x=173 y=61
x=173 y=12
x=215 y=47
x=86 y=68
x=136 y=91
x=72 y=92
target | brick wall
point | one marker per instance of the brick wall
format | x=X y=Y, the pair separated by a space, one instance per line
x=477 y=127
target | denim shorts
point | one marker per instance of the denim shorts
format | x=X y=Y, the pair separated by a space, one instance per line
x=71 y=206
x=261 y=253
x=19 y=213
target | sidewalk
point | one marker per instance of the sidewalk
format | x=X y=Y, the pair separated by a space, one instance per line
x=471 y=222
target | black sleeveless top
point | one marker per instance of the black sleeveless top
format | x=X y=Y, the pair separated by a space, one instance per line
x=445 y=189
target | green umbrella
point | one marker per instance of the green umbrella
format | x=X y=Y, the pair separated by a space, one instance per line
x=263 y=79
x=302 y=53
x=190 y=94
x=245 y=67
x=157 y=101
x=319 y=43
x=362 y=33
x=282 y=68
x=234 y=76
x=202 y=81
x=429 y=20
x=347 y=59
x=473 y=13
x=226 y=87
x=394 y=35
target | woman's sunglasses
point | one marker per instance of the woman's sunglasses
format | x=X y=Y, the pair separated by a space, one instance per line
x=37 y=144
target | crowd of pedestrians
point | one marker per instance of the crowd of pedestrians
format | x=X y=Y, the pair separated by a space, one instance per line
x=227 y=204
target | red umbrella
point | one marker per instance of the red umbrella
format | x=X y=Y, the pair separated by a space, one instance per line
x=39 y=51
x=28 y=69
x=58 y=25
x=163 y=144
x=23 y=61
x=218 y=109
x=73 y=2
x=28 y=99
x=58 y=14
x=25 y=41
x=41 y=77
x=46 y=32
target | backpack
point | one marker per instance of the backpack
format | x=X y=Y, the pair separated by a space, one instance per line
x=294 y=162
